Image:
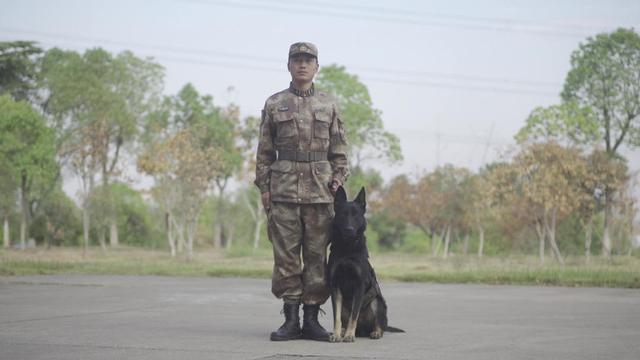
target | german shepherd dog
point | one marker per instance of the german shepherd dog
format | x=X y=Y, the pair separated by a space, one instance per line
x=356 y=298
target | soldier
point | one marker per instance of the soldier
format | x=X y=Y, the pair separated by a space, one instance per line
x=301 y=161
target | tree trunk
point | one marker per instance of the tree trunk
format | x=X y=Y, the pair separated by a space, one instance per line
x=587 y=240
x=113 y=224
x=435 y=245
x=85 y=227
x=481 y=242
x=49 y=233
x=229 y=236
x=24 y=213
x=606 y=236
x=179 y=228
x=552 y=237
x=218 y=226
x=541 y=235
x=113 y=229
x=217 y=234
x=169 y=230
x=102 y=238
x=190 y=234
x=465 y=244
x=6 y=242
x=256 y=234
x=447 y=240
x=86 y=206
x=256 y=213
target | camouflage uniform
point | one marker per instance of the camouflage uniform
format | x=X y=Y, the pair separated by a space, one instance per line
x=302 y=148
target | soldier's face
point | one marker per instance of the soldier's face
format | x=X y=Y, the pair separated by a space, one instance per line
x=303 y=68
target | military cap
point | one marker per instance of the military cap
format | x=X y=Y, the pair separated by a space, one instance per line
x=303 y=48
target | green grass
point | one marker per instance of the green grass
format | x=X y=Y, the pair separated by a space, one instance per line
x=129 y=261
x=555 y=277
x=621 y=271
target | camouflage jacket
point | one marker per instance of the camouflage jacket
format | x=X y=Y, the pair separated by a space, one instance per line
x=294 y=121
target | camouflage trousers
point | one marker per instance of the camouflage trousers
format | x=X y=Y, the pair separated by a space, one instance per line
x=292 y=228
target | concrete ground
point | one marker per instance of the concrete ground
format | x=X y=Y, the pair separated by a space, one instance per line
x=131 y=317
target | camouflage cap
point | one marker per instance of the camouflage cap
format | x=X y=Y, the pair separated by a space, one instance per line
x=303 y=48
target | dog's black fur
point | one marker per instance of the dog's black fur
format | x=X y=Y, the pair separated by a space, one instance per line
x=358 y=306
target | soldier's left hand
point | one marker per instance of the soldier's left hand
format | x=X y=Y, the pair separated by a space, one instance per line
x=333 y=186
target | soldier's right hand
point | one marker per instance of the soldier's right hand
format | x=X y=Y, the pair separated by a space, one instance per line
x=266 y=201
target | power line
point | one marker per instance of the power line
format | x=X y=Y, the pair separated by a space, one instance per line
x=463 y=77
x=163 y=47
x=456 y=17
x=429 y=84
x=454 y=77
x=440 y=137
x=304 y=8
x=462 y=87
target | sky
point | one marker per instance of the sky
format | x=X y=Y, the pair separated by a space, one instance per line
x=454 y=80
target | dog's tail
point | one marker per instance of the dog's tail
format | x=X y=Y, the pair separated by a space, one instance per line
x=393 y=329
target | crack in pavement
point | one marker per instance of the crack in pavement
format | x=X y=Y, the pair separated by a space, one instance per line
x=123 y=347
x=81 y=315
x=22 y=282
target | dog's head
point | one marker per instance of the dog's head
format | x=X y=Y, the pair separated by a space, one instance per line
x=349 y=220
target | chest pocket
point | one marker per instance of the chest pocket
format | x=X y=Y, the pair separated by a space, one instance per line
x=285 y=126
x=321 y=124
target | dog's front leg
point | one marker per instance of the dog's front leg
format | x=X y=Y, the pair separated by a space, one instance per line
x=356 y=305
x=336 y=302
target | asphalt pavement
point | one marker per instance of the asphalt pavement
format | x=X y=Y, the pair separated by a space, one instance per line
x=135 y=317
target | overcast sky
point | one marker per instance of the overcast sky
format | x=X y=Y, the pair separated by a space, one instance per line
x=454 y=80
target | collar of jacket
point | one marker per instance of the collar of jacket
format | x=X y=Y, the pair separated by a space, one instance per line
x=309 y=92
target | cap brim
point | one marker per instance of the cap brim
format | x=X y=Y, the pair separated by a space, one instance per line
x=303 y=53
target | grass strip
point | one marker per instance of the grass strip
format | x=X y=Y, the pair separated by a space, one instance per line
x=597 y=276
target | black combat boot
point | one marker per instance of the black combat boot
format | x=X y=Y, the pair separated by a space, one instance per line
x=311 y=328
x=290 y=330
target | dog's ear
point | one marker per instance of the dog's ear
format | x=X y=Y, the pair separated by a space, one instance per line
x=360 y=199
x=341 y=197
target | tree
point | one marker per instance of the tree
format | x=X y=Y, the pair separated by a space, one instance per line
x=391 y=230
x=18 y=68
x=603 y=172
x=251 y=198
x=448 y=184
x=27 y=147
x=188 y=168
x=480 y=208
x=548 y=176
x=369 y=178
x=223 y=134
x=8 y=198
x=514 y=212
x=567 y=124
x=134 y=216
x=101 y=100
x=181 y=153
x=59 y=222
x=364 y=127
x=436 y=203
x=412 y=203
x=605 y=77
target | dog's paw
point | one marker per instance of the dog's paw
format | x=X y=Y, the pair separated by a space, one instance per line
x=375 y=335
x=334 y=338
x=349 y=338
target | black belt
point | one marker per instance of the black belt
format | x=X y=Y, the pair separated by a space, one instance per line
x=302 y=156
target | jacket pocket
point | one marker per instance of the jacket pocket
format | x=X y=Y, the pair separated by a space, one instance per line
x=322 y=174
x=321 y=124
x=284 y=179
x=285 y=126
